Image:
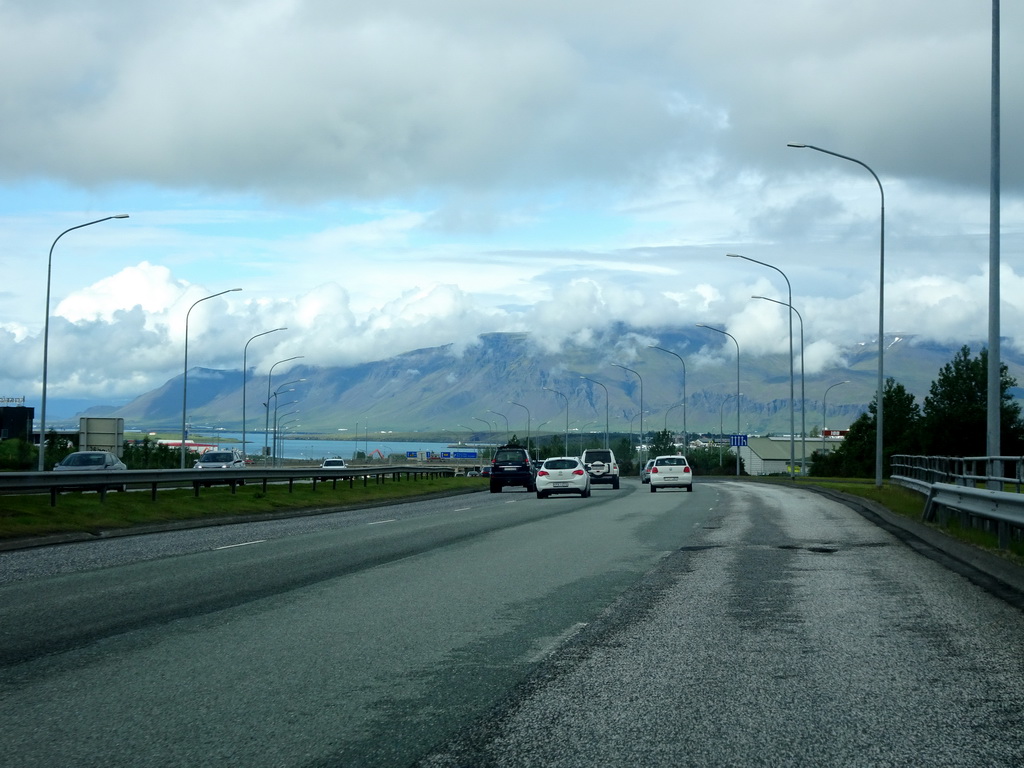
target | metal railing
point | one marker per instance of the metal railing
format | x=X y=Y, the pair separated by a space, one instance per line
x=103 y=482
x=981 y=492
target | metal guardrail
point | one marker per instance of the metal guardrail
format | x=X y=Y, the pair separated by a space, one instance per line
x=57 y=482
x=950 y=485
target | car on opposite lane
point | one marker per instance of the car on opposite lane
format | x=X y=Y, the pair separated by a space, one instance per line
x=671 y=472
x=562 y=474
x=217 y=459
x=89 y=461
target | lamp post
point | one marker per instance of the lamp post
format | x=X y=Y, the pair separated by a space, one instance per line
x=266 y=423
x=506 y=422
x=606 y=401
x=549 y=389
x=277 y=427
x=511 y=402
x=245 y=373
x=670 y=409
x=721 y=424
x=824 y=412
x=46 y=334
x=184 y=378
x=725 y=333
x=881 y=307
x=641 y=454
x=686 y=442
x=792 y=394
x=803 y=400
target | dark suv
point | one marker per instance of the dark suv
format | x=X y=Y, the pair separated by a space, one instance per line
x=511 y=465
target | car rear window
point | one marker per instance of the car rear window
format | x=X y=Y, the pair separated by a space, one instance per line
x=510 y=456
x=672 y=461
x=561 y=464
x=603 y=456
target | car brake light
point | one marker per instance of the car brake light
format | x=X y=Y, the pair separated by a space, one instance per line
x=685 y=470
x=578 y=472
x=654 y=470
x=543 y=472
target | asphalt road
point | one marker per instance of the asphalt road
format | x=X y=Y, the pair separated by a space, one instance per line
x=736 y=625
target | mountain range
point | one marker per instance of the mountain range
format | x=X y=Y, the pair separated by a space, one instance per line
x=449 y=389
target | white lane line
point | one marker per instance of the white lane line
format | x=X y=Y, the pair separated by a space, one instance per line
x=379 y=522
x=466 y=509
x=243 y=544
x=550 y=645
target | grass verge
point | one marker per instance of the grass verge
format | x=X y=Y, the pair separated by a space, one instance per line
x=78 y=512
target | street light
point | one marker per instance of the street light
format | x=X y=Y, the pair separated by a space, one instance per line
x=721 y=425
x=824 y=413
x=245 y=372
x=511 y=402
x=549 y=389
x=686 y=441
x=803 y=400
x=277 y=427
x=606 y=400
x=792 y=394
x=670 y=409
x=641 y=453
x=266 y=422
x=46 y=333
x=725 y=333
x=506 y=422
x=184 y=378
x=881 y=307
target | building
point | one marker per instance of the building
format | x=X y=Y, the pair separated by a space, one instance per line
x=770 y=455
x=16 y=422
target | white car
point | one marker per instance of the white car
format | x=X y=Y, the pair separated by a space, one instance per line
x=645 y=472
x=671 y=472
x=562 y=474
x=89 y=461
x=334 y=464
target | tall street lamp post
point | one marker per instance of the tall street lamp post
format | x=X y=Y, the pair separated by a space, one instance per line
x=184 y=378
x=606 y=400
x=642 y=454
x=721 y=425
x=46 y=333
x=245 y=373
x=792 y=394
x=506 y=422
x=266 y=422
x=512 y=402
x=803 y=399
x=686 y=442
x=549 y=389
x=725 y=333
x=879 y=455
x=824 y=412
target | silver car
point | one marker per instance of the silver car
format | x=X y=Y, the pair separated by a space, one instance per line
x=89 y=461
x=217 y=459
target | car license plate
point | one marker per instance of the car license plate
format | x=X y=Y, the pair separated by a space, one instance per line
x=671 y=477
x=561 y=485
x=508 y=469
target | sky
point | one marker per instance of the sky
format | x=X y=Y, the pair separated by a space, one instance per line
x=382 y=176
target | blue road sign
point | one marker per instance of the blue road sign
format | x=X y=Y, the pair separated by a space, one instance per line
x=737 y=441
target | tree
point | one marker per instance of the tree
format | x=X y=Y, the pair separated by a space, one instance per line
x=955 y=416
x=902 y=425
x=662 y=444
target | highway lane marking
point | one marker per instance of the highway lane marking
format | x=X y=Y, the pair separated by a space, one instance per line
x=463 y=509
x=378 y=522
x=243 y=544
x=555 y=643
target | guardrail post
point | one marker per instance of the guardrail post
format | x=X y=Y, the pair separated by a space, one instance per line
x=53 y=496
